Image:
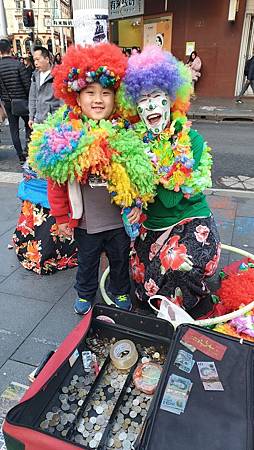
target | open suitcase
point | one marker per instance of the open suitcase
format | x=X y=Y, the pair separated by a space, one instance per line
x=217 y=412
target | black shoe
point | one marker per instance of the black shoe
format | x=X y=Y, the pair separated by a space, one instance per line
x=239 y=101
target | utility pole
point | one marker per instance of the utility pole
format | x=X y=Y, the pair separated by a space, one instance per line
x=3 y=21
x=52 y=3
x=62 y=40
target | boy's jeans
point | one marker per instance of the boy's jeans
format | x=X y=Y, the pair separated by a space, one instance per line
x=116 y=244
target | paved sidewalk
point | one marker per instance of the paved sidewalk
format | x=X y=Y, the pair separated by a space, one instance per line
x=36 y=312
x=221 y=109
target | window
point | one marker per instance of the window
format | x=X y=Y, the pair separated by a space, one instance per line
x=27 y=46
x=17 y=4
x=21 y=27
x=18 y=47
x=37 y=42
x=46 y=6
x=49 y=44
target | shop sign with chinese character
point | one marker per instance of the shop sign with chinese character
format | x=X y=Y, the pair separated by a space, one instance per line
x=125 y=8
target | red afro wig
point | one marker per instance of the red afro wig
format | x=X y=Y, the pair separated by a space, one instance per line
x=81 y=60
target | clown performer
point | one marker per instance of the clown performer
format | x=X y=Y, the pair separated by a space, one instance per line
x=95 y=165
x=179 y=245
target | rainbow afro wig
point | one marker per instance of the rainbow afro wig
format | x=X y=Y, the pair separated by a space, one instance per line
x=104 y=63
x=155 y=68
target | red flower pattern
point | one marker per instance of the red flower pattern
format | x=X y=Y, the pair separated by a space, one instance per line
x=137 y=269
x=202 y=233
x=173 y=255
x=151 y=287
x=212 y=265
x=154 y=250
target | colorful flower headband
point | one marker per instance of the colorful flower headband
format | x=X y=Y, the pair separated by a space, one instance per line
x=102 y=75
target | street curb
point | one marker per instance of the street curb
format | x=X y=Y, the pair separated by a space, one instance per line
x=220 y=117
x=11 y=177
x=229 y=193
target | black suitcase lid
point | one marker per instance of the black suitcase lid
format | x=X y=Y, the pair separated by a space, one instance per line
x=212 y=420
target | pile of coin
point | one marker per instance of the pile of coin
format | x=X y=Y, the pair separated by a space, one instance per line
x=71 y=397
x=100 y=346
x=129 y=420
x=97 y=413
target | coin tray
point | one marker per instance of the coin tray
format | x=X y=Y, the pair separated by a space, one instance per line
x=65 y=407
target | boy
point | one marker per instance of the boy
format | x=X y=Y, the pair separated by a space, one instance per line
x=88 y=78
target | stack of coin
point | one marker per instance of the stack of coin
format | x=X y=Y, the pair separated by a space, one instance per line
x=100 y=346
x=60 y=417
x=99 y=409
x=129 y=420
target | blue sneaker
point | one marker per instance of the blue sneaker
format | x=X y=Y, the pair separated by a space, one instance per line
x=82 y=306
x=123 y=302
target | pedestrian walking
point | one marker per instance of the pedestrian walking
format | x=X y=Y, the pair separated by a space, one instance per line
x=29 y=65
x=194 y=62
x=249 y=73
x=14 y=90
x=57 y=59
x=42 y=100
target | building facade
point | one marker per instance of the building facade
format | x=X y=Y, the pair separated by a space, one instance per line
x=56 y=39
x=222 y=33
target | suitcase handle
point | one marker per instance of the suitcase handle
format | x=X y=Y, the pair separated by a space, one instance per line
x=43 y=362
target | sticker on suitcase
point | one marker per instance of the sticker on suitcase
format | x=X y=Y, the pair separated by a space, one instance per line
x=204 y=344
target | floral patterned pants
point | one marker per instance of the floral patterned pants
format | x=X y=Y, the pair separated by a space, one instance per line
x=39 y=246
x=175 y=262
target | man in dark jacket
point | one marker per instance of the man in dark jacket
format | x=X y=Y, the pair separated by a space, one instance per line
x=14 y=84
x=249 y=73
x=41 y=97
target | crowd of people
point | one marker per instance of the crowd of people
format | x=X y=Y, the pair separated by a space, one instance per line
x=106 y=133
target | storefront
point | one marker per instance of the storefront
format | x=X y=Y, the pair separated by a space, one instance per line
x=213 y=29
x=130 y=27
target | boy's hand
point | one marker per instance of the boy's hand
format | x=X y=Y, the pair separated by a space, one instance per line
x=65 y=230
x=134 y=215
x=30 y=123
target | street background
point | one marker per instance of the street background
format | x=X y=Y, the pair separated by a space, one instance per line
x=37 y=312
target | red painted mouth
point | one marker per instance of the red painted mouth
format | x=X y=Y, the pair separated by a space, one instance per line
x=154 y=119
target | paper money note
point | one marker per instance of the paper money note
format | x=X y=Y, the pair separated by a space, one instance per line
x=184 y=361
x=209 y=376
x=176 y=394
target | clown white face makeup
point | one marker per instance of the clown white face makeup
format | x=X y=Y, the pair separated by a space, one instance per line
x=154 y=110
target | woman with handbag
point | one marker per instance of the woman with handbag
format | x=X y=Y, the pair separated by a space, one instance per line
x=14 y=91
